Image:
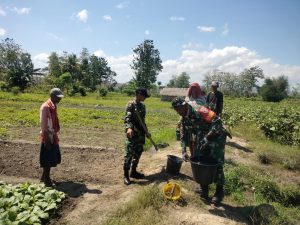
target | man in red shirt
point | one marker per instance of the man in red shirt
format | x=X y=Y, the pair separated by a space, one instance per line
x=50 y=153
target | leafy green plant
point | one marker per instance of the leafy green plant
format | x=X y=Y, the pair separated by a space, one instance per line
x=27 y=203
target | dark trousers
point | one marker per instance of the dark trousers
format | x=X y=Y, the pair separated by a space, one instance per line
x=132 y=155
x=50 y=157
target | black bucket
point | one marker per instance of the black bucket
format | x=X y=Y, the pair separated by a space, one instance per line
x=204 y=169
x=174 y=164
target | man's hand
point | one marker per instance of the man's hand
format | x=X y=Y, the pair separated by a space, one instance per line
x=129 y=133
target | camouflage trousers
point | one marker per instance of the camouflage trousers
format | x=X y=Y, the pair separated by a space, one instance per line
x=216 y=150
x=133 y=154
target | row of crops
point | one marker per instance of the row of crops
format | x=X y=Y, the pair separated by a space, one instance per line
x=279 y=121
x=27 y=203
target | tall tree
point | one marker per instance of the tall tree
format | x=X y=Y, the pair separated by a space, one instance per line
x=84 y=67
x=70 y=64
x=100 y=72
x=15 y=65
x=180 y=81
x=54 y=65
x=146 y=64
x=249 y=78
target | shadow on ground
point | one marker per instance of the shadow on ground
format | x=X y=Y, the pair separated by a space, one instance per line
x=238 y=146
x=161 y=176
x=74 y=189
x=237 y=213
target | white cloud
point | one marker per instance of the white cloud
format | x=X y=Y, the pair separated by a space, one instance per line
x=99 y=53
x=107 y=17
x=225 y=31
x=191 y=45
x=55 y=37
x=147 y=32
x=21 y=11
x=82 y=15
x=229 y=59
x=41 y=60
x=206 y=29
x=121 y=65
x=122 y=5
x=2 y=12
x=177 y=18
x=2 y=32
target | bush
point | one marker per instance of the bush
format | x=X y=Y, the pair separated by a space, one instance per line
x=82 y=91
x=103 y=91
x=3 y=86
x=15 y=90
x=274 y=90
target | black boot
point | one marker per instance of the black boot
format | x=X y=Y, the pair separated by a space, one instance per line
x=126 y=177
x=219 y=195
x=136 y=175
x=203 y=191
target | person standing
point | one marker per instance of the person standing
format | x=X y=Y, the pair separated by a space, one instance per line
x=210 y=139
x=194 y=97
x=135 y=134
x=214 y=99
x=50 y=154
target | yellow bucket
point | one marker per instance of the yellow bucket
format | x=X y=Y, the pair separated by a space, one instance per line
x=172 y=191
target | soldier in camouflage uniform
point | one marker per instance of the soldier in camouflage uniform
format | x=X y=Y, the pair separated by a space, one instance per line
x=209 y=139
x=135 y=134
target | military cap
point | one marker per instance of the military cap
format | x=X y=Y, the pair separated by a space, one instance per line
x=142 y=91
x=178 y=101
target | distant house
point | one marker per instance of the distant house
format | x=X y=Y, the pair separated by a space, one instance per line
x=168 y=94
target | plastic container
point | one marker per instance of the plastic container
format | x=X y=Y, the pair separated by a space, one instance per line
x=204 y=169
x=173 y=164
x=172 y=191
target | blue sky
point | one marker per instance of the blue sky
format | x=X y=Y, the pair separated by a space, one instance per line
x=192 y=36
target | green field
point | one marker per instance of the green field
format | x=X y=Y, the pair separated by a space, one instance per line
x=272 y=131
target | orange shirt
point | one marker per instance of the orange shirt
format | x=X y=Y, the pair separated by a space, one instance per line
x=49 y=122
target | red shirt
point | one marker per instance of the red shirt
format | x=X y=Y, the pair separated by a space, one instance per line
x=49 y=122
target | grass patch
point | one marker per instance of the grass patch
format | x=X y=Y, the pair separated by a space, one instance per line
x=3 y=132
x=84 y=113
x=268 y=151
x=145 y=209
x=250 y=187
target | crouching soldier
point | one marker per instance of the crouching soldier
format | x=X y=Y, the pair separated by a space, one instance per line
x=210 y=139
x=135 y=134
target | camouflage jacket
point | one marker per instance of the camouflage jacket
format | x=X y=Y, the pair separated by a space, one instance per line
x=131 y=121
x=193 y=129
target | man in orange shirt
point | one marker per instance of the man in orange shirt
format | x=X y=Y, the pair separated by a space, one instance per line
x=50 y=153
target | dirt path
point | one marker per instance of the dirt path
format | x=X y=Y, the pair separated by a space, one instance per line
x=92 y=177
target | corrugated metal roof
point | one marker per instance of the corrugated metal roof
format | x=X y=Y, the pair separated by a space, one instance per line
x=174 y=91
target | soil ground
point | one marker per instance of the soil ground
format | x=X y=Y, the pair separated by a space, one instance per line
x=92 y=178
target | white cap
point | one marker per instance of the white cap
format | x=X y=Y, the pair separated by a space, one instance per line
x=56 y=92
x=215 y=83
